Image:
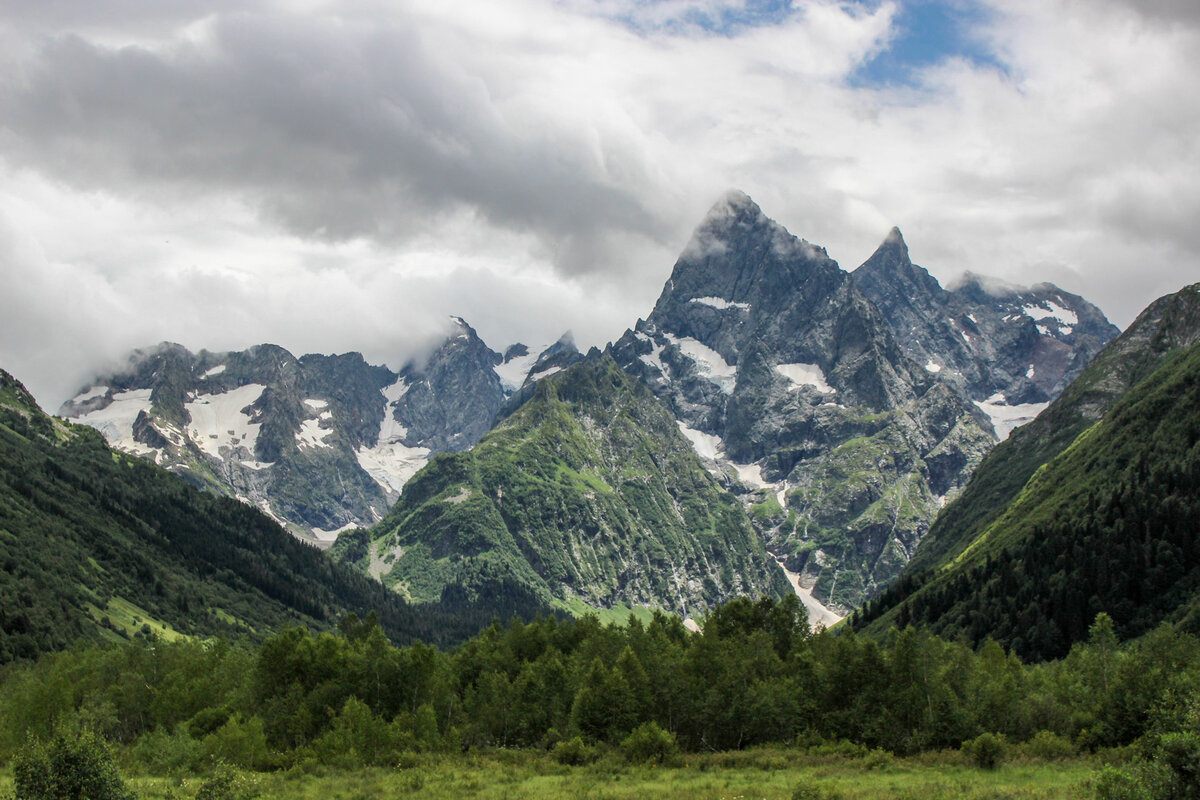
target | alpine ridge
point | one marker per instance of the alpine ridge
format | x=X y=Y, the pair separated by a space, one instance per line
x=786 y=378
x=1011 y=349
x=320 y=443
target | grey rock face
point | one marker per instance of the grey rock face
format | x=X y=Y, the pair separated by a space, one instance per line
x=1008 y=344
x=787 y=377
x=451 y=400
x=321 y=443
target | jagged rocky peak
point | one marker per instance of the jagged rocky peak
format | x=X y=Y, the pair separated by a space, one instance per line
x=788 y=382
x=555 y=358
x=738 y=255
x=1010 y=348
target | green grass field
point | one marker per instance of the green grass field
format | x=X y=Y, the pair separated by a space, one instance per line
x=765 y=774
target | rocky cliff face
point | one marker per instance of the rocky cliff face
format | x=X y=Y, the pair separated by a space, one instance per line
x=1011 y=349
x=585 y=495
x=321 y=443
x=786 y=378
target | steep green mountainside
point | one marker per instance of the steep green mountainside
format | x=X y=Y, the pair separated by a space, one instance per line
x=1107 y=525
x=586 y=494
x=97 y=544
x=1167 y=325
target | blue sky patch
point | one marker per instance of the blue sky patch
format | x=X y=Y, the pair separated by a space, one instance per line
x=926 y=32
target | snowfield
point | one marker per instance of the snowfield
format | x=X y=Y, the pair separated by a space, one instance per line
x=218 y=420
x=805 y=375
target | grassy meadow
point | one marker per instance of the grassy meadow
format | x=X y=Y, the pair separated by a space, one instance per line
x=770 y=774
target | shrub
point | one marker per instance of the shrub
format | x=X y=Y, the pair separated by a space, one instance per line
x=1181 y=753
x=985 y=751
x=1049 y=746
x=573 y=752
x=879 y=759
x=226 y=784
x=68 y=767
x=1117 y=784
x=649 y=742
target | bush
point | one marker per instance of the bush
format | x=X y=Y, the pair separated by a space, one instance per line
x=879 y=759
x=573 y=752
x=1117 y=784
x=810 y=791
x=226 y=784
x=68 y=767
x=649 y=742
x=1048 y=746
x=985 y=751
x=1181 y=753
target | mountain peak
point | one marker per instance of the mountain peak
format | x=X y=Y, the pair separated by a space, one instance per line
x=732 y=207
x=894 y=236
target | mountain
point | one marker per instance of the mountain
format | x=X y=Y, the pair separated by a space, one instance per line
x=96 y=545
x=1012 y=349
x=1089 y=508
x=320 y=443
x=585 y=494
x=788 y=381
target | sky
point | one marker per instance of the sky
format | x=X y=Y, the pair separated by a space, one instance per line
x=335 y=176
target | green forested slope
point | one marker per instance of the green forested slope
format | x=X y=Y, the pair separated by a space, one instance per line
x=586 y=495
x=1110 y=524
x=96 y=545
x=1169 y=324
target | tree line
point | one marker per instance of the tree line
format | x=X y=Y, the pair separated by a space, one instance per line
x=756 y=675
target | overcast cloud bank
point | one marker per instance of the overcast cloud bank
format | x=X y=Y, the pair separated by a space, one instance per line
x=333 y=176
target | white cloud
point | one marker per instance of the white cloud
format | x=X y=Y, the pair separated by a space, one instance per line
x=335 y=176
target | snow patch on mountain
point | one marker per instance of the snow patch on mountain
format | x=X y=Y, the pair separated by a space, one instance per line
x=750 y=476
x=706 y=445
x=311 y=434
x=805 y=375
x=218 y=420
x=933 y=367
x=818 y=614
x=115 y=420
x=719 y=303
x=654 y=357
x=217 y=370
x=327 y=537
x=390 y=463
x=709 y=363
x=545 y=373
x=1006 y=417
x=1052 y=310
x=512 y=373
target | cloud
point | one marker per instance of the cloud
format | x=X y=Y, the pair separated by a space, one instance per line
x=333 y=176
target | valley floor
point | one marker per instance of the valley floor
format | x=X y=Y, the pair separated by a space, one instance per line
x=771 y=774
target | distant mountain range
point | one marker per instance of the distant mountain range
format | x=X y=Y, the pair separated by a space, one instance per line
x=844 y=409
x=319 y=443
